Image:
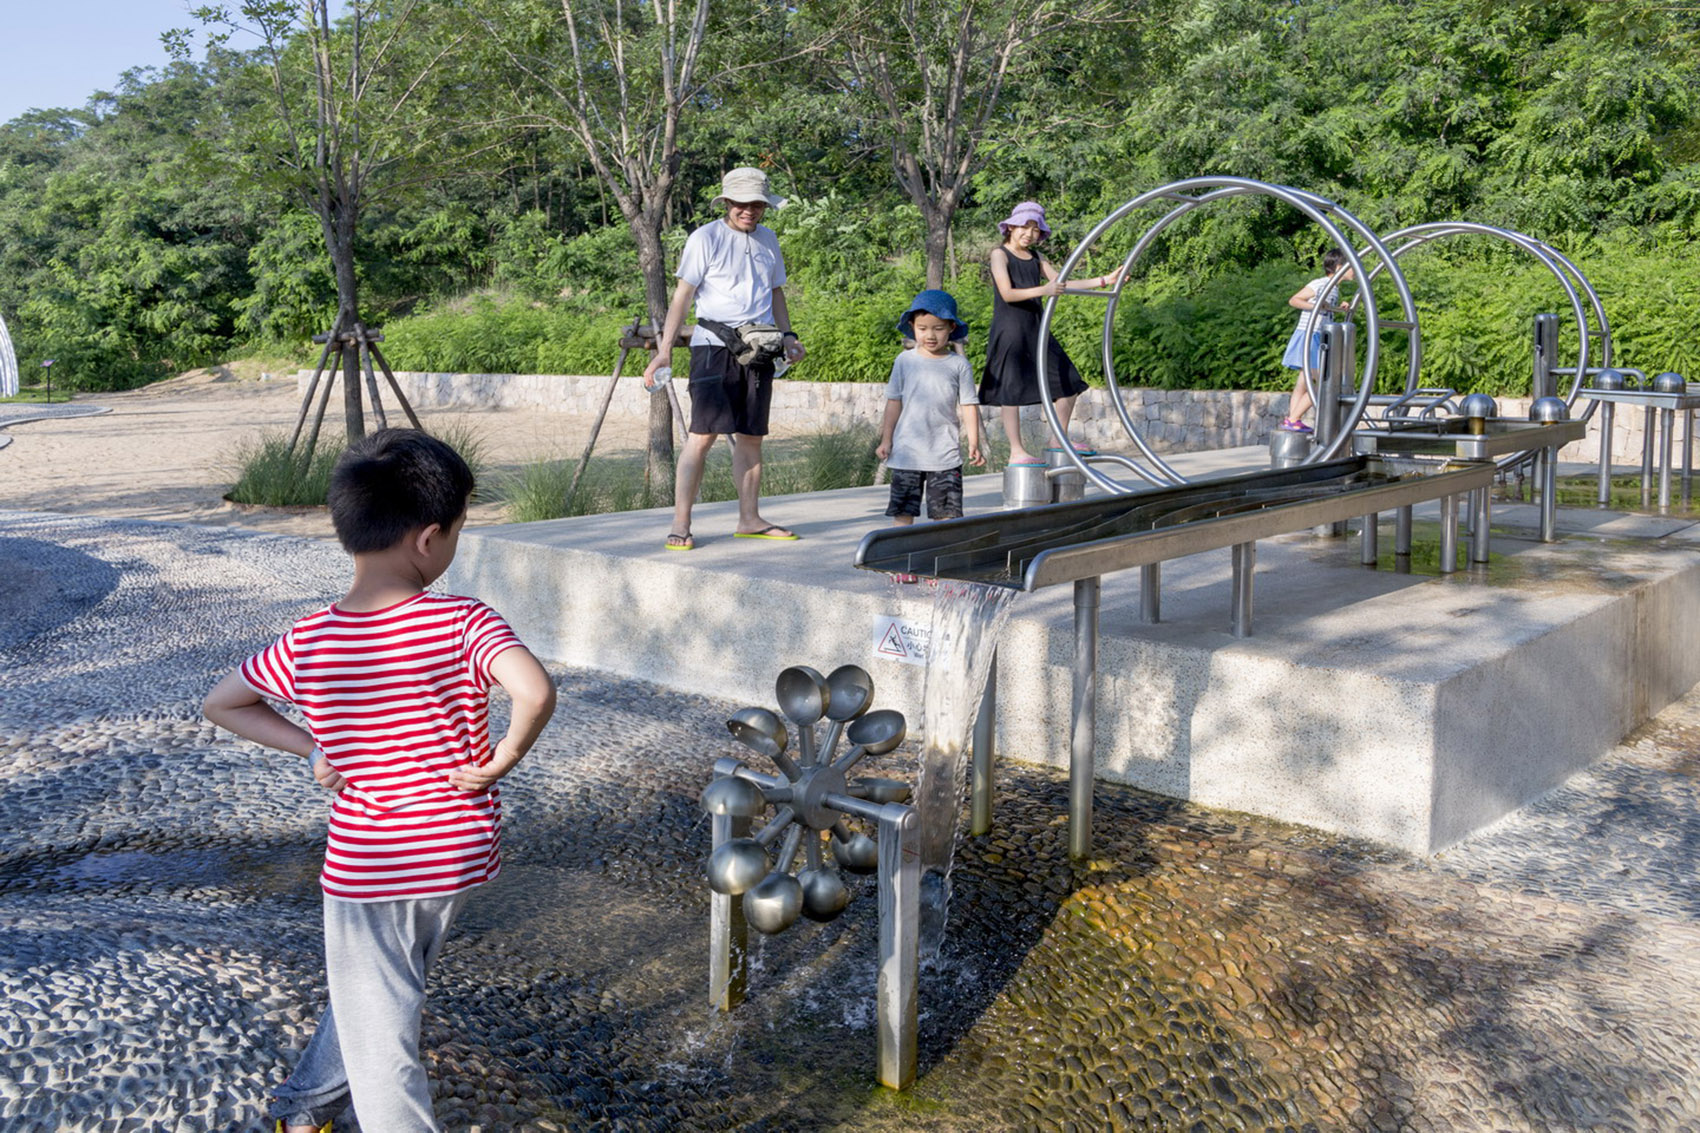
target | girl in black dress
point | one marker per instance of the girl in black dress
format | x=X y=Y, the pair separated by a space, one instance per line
x=1021 y=280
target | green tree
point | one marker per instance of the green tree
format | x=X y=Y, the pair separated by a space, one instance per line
x=350 y=111
x=939 y=83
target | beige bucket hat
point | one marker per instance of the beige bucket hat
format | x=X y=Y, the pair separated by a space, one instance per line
x=744 y=185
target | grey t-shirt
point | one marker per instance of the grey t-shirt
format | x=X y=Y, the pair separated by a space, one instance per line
x=927 y=437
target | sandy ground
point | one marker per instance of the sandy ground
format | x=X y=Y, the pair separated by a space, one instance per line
x=168 y=451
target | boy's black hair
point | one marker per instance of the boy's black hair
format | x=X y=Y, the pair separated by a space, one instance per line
x=1332 y=259
x=393 y=482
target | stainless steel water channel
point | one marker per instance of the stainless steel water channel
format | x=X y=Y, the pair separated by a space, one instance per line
x=1080 y=542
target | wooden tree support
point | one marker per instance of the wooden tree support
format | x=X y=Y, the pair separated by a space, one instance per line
x=637 y=336
x=364 y=340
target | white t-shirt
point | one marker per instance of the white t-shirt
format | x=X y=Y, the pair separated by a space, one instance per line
x=734 y=274
x=928 y=437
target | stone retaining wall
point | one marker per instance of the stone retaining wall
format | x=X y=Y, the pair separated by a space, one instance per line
x=1171 y=420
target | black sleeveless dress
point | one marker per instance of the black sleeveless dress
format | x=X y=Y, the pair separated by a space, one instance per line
x=1011 y=376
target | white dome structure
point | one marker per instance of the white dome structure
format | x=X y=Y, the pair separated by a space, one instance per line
x=8 y=364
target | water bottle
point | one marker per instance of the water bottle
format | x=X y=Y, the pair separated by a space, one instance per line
x=660 y=380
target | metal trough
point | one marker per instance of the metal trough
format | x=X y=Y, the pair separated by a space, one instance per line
x=1482 y=439
x=1030 y=548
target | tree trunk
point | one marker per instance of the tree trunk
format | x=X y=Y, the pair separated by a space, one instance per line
x=339 y=235
x=658 y=465
x=937 y=216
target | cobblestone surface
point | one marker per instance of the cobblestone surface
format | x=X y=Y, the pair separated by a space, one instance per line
x=160 y=964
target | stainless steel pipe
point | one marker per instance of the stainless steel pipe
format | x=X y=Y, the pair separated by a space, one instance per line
x=1081 y=757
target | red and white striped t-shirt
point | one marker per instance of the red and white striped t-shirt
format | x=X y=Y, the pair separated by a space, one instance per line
x=396 y=699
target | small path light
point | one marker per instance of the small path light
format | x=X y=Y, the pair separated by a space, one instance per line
x=47 y=367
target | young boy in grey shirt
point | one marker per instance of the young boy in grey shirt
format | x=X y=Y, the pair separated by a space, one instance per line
x=921 y=433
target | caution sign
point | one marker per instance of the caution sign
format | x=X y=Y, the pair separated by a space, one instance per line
x=899 y=639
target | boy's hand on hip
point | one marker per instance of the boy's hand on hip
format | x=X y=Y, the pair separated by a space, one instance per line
x=479 y=777
x=327 y=776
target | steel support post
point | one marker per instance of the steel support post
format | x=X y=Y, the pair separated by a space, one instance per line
x=1547 y=464
x=1151 y=594
x=1448 y=534
x=1339 y=356
x=900 y=929
x=1648 y=428
x=1402 y=532
x=1081 y=756
x=1481 y=506
x=1606 y=409
x=1369 y=550
x=1667 y=436
x=1245 y=566
x=985 y=752
x=1687 y=457
x=728 y=935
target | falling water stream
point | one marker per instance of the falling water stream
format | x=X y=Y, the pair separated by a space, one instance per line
x=967 y=619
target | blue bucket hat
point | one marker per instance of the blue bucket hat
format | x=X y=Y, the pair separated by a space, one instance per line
x=937 y=303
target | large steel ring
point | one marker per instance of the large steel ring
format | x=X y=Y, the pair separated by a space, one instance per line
x=1318 y=209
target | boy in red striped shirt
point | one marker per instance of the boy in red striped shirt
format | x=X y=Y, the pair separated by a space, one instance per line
x=393 y=682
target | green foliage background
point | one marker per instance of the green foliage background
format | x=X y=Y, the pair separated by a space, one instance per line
x=132 y=245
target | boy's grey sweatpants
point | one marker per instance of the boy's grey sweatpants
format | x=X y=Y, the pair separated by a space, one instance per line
x=377 y=956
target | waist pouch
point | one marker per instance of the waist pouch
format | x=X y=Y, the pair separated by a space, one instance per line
x=751 y=344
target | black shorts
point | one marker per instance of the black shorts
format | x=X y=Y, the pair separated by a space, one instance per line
x=727 y=397
x=944 y=493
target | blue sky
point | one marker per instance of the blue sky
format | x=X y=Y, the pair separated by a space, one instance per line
x=59 y=52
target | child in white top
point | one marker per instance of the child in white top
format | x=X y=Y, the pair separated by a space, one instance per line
x=1305 y=351
x=921 y=432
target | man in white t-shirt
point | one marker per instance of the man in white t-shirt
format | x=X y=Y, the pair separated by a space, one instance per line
x=733 y=270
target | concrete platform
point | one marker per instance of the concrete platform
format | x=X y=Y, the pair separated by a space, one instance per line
x=1408 y=709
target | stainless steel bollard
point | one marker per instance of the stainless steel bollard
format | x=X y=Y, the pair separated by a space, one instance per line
x=1288 y=450
x=1245 y=567
x=1025 y=485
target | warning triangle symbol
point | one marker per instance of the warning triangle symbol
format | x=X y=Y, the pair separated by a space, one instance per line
x=892 y=643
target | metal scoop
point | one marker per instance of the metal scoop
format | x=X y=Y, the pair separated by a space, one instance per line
x=804 y=698
x=851 y=692
x=874 y=734
x=764 y=733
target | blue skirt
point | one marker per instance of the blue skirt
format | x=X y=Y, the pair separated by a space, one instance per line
x=1294 y=357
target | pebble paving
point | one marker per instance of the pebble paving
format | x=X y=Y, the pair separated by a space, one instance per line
x=160 y=964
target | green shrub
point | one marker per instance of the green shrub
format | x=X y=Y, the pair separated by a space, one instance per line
x=1475 y=300
x=268 y=474
x=496 y=334
x=823 y=462
x=820 y=462
x=470 y=443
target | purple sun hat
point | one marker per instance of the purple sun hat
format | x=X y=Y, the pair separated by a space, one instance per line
x=1027 y=212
